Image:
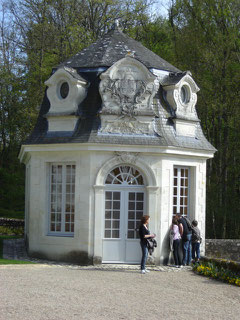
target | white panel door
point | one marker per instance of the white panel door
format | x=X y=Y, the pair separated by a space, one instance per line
x=123 y=211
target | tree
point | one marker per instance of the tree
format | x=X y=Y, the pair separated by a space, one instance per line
x=206 y=40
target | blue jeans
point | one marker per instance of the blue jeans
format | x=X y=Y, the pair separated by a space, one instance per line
x=196 y=250
x=187 y=249
x=144 y=255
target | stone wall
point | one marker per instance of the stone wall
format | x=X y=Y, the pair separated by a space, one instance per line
x=11 y=223
x=223 y=248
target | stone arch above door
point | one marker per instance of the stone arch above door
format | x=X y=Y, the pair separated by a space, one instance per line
x=130 y=159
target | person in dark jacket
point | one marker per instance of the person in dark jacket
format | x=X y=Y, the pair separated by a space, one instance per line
x=186 y=239
x=196 y=241
x=144 y=234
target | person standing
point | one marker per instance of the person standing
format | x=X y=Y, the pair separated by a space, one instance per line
x=196 y=241
x=144 y=234
x=176 y=230
x=186 y=239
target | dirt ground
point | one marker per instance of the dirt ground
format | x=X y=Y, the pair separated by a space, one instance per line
x=42 y=292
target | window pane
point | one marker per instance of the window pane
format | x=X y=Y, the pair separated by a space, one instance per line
x=131 y=195
x=116 y=205
x=108 y=204
x=107 y=233
x=116 y=214
x=131 y=225
x=131 y=205
x=175 y=181
x=131 y=234
x=116 y=195
x=131 y=214
x=140 y=180
x=139 y=205
x=108 y=224
x=108 y=195
x=107 y=214
x=115 y=234
x=115 y=224
x=140 y=196
x=139 y=215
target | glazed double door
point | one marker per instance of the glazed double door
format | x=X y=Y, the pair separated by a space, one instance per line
x=123 y=211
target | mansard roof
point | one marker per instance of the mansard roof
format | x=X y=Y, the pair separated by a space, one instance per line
x=114 y=46
x=89 y=65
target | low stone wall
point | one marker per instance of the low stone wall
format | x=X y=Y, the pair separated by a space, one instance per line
x=11 y=223
x=223 y=248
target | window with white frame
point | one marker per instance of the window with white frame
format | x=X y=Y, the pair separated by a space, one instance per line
x=62 y=199
x=181 y=179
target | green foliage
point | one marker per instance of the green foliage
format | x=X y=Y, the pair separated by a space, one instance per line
x=12 y=231
x=11 y=214
x=206 y=38
x=217 y=271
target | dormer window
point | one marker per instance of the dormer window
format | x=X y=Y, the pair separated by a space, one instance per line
x=66 y=90
x=181 y=94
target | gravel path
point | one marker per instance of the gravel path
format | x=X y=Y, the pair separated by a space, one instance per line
x=51 y=292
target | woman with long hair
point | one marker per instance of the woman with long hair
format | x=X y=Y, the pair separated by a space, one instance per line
x=144 y=234
x=176 y=232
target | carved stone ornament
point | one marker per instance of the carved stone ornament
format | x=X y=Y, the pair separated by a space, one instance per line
x=127 y=90
x=128 y=157
x=182 y=97
x=126 y=125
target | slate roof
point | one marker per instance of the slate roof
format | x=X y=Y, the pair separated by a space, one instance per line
x=106 y=52
x=113 y=47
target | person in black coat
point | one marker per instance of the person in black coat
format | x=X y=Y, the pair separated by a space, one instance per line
x=144 y=234
x=186 y=239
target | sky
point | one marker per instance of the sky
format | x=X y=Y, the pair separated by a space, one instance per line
x=160 y=8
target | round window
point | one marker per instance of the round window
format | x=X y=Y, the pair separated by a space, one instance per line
x=185 y=94
x=64 y=90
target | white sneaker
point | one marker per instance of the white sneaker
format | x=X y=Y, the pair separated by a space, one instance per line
x=143 y=271
x=147 y=270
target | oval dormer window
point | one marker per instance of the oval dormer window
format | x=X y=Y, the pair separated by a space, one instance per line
x=185 y=94
x=64 y=90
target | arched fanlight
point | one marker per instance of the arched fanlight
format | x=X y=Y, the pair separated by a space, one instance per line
x=125 y=175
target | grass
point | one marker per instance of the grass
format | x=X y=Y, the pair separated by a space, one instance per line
x=8 y=261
